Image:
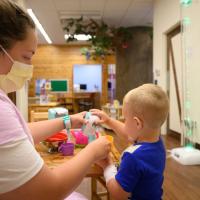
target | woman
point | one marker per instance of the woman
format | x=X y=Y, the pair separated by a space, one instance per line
x=23 y=174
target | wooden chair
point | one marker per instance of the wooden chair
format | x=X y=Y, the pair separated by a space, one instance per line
x=38 y=116
x=95 y=193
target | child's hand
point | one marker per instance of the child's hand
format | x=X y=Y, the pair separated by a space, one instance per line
x=105 y=162
x=100 y=147
x=104 y=118
x=77 y=120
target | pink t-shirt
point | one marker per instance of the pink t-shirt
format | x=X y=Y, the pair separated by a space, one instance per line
x=12 y=125
x=19 y=161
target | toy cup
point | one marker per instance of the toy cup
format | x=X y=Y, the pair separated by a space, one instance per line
x=67 y=149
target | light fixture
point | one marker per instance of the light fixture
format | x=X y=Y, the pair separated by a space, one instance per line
x=39 y=26
x=79 y=37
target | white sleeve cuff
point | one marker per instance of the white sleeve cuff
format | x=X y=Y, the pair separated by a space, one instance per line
x=109 y=172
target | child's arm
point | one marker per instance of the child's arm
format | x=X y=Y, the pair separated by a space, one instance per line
x=114 y=188
x=115 y=125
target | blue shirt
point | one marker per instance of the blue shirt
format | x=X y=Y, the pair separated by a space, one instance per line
x=141 y=170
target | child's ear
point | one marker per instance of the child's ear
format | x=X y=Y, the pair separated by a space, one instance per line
x=139 y=123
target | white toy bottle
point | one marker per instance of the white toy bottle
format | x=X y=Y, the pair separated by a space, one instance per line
x=90 y=128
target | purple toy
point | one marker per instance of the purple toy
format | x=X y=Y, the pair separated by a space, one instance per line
x=67 y=149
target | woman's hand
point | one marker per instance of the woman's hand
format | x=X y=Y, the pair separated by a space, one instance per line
x=104 y=118
x=77 y=120
x=105 y=162
x=100 y=148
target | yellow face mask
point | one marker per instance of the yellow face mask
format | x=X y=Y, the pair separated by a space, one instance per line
x=16 y=78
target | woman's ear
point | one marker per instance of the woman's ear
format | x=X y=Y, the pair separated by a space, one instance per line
x=138 y=122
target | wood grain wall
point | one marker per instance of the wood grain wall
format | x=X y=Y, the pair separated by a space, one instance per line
x=56 y=61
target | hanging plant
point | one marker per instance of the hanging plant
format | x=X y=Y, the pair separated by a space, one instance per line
x=103 y=38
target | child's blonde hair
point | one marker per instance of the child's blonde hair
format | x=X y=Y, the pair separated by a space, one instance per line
x=148 y=102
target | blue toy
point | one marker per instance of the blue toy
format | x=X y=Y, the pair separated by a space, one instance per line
x=57 y=112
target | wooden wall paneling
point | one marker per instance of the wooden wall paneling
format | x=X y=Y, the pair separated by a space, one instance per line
x=56 y=61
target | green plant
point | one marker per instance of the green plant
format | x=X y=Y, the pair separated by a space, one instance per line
x=104 y=39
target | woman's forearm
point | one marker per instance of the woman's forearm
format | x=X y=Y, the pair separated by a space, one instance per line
x=43 y=129
x=55 y=184
x=70 y=174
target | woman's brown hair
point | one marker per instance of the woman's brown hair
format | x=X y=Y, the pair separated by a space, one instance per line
x=14 y=23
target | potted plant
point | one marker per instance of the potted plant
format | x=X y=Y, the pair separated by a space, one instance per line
x=103 y=39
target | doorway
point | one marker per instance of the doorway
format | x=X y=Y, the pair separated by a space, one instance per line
x=174 y=81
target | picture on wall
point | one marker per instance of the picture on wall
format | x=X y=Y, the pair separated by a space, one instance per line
x=52 y=85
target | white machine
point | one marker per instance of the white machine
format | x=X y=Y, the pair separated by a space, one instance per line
x=186 y=155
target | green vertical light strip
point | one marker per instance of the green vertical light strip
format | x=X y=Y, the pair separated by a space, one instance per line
x=186 y=21
x=186 y=3
x=188 y=105
x=188 y=123
x=189 y=145
x=189 y=132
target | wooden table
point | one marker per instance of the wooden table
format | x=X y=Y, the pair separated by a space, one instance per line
x=95 y=172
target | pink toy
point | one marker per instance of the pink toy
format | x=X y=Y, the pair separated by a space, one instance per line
x=80 y=138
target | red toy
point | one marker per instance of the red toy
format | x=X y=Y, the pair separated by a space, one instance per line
x=58 y=137
x=55 y=141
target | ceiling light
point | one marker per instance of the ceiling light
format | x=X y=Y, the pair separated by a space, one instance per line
x=79 y=37
x=39 y=26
